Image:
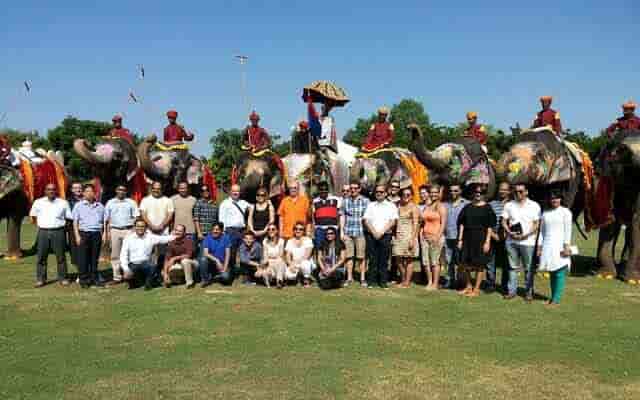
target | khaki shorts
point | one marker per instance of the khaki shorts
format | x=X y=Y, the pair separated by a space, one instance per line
x=355 y=243
x=431 y=252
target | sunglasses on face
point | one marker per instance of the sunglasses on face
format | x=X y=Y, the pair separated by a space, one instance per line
x=299 y=229
x=261 y=195
x=273 y=230
x=380 y=192
x=331 y=233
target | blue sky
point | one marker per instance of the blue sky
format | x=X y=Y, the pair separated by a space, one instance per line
x=495 y=57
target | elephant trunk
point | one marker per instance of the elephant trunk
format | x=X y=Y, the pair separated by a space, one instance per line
x=149 y=168
x=417 y=147
x=81 y=147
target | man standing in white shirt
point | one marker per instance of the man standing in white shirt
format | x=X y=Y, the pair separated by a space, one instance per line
x=379 y=219
x=521 y=220
x=157 y=211
x=232 y=215
x=135 y=257
x=120 y=215
x=50 y=214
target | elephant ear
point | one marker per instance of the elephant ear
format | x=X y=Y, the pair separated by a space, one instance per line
x=10 y=180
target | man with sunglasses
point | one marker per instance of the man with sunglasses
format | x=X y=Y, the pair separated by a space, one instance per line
x=454 y=206
x=352 y=232
x=521 y=220
x=120 y=214
x=379 y=219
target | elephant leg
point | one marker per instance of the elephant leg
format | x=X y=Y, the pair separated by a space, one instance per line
x=606 y=238
x=633 y=264
x=14 y=228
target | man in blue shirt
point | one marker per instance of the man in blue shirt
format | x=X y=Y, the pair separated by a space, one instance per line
x=454 y=206
x=120 y=216
x=216 y=253
x=88 y=228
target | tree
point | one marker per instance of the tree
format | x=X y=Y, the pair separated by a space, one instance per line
x=225 y=153
x=402 y=114
x=16 y=138
x=62 y=136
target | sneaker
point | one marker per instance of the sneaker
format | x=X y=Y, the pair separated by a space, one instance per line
x=39 y=284
x=204 y=284
x=248 y=283
x=346 y=283
x=364 y=284
x=191 y=285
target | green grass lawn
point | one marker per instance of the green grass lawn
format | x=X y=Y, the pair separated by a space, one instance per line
x=250 y=343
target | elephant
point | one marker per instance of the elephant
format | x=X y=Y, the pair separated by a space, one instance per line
x=114 y=161
x=170 y=166
x=253 y=172
x=20 y=186
x=462 y=162
x=618 y=200
x=543 y=162
x=309 y=169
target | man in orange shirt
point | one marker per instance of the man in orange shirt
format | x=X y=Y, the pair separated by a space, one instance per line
x=293 y=208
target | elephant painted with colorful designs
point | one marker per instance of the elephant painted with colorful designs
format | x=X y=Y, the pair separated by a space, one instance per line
x=23 y=178
x=172 y=165
x=461 y=162
x=113 y=162
x=543 y=162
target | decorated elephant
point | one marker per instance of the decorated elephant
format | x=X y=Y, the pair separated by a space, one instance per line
x=543 y=162
x=172 y=165
x=309 y=169
x=22 y=180
x=617 y=203
x=113 y=161
x=253 y=171
x=461 y=162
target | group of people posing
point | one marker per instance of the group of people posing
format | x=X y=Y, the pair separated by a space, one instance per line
x=332 y=240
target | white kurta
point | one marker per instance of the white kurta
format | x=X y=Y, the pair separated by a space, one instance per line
x=556 y=232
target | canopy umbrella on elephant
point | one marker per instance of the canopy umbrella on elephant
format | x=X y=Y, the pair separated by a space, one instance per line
x=462 y=162
x=23 y=178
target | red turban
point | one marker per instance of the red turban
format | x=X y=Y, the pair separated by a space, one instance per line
x=629 y=105
x=116 y=118
x=254 y=116
x=546 y=98
x=172 y=114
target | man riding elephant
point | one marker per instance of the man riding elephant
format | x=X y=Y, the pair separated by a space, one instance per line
x=23 y=180
x=628 y=122
x=475 y=130
x=381 y=133
x=462 y=162
x=258 y=166
x=617 y=196
x=548 y=116
x=118 y=131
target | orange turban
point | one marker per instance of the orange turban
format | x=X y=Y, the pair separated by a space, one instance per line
x=472 y=115
x=546 y=98
x=172 y=114
x=629 y=105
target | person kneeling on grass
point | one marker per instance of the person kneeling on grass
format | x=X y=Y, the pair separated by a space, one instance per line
x=298 y=255
x=555 y=252
x=250 y=254
x=331 y=259
x=179 y=261
x=216 y=253
x=135 y=256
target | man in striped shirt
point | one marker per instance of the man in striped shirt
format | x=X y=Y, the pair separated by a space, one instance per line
x=325 y=213
x=499 y=254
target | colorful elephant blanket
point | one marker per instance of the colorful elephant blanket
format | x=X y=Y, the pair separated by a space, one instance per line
x=32 y=179
x=412 y=172
x=462 y=169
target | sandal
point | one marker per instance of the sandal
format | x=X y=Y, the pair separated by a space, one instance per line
x=473 y=293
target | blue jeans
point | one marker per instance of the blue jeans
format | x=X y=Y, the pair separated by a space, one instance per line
x=498 y=260
x=235 y=238
x=209 y=272
x=520 y=257
x=451 y=254
x=145 y=272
